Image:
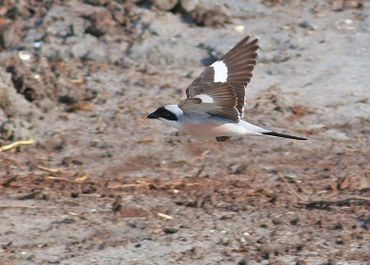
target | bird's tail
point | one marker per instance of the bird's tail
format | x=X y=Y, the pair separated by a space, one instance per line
x=253 y=129
x=283 y=135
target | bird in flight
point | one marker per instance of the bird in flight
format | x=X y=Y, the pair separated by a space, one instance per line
x=215 y=101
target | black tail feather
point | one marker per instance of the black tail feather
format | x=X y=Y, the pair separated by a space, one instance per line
x=284 y=135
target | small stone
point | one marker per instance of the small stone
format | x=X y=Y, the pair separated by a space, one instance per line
x=239 y=28
x=189 y=5
x=295 y=221
x=7 y=130
x=95 y=31
x=306 y=25
x=67 y=100
x=75 y=195
x=206 y=17
x=170 y=230
x=38 y=44
x=97 y=2
x=165 y=4
x=242 y=262
x=82 y=46
x=237 y=169
x=25 y=56
x=67 y=221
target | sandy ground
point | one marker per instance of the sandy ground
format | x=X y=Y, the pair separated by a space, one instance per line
x=104 y=185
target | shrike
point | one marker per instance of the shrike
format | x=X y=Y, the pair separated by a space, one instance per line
x=216 y=98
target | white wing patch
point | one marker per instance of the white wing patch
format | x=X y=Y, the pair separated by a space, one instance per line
x=220 y=70
x=205 y=98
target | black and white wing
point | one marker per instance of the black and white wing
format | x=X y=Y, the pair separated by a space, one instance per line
x=220 y=88
x=218 y=100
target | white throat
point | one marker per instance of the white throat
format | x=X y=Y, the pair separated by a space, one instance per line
x=178 y=112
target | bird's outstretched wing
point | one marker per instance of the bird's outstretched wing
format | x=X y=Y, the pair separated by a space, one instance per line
x=218 y=100
x=232 y=73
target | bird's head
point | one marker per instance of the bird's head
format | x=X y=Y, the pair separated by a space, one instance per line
x=169 y=114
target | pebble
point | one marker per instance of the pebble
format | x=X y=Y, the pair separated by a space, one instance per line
x=189 y=5
x=242 y=262
x=165 y=4
x=25 y=56
x=239 y=28
x=170 y=230
x=307 y=25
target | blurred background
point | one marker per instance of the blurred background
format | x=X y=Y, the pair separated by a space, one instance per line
x=85 y=178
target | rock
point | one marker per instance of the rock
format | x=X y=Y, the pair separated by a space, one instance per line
x=237 y=169
x=242 y=262
x=93 y=30
x=97 y=2
x=82 y=46
x=340 y=5
x=79 y=26
x=12 y=103
x=7 y=130
x=14 y=111
x=165 y=4
x=337 y=5
x=189 y=5
x=170 y=230
x=306 y=25
x=210 y=17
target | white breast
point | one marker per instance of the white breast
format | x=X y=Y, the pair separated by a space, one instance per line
x=213 y=128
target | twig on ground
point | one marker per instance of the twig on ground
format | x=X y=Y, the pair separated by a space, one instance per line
x=130 y=185
x=48 y=169
x=16 y=144
x=200 y=157
x=82 y=179
x=165 y=216
x=78 y=180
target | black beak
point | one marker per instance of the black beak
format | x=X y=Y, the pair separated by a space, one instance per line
x=153 y=116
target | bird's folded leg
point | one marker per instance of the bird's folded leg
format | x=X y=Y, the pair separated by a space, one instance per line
x=222 y=138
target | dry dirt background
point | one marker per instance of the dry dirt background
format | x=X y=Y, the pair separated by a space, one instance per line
x=103 y=185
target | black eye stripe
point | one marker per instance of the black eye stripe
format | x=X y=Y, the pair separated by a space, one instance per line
x=166 y=114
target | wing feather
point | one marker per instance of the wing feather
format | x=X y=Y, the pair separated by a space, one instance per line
x=239 y=63
x=223 y=102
